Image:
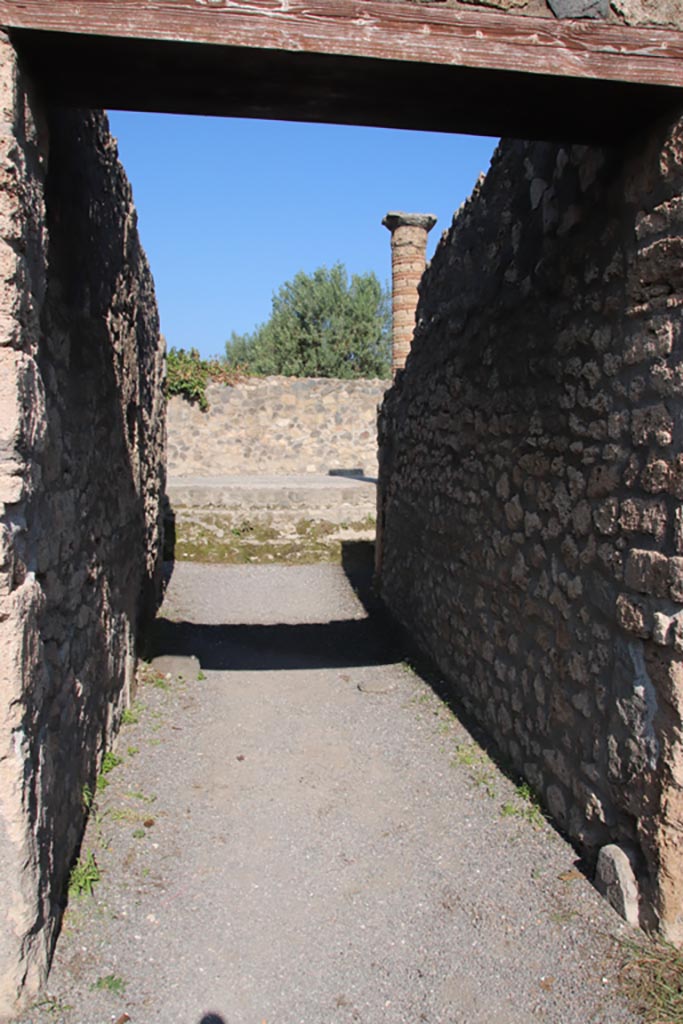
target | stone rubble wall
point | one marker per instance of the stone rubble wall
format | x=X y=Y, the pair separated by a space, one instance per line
x=661 y=13
x=279 y=425
x=81 y=472
x=531 y=487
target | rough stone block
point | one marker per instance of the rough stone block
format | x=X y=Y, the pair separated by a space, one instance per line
x=602 y=481
x=579 y=8
x=656 y=476
x=606 y=517
x=647 y=572
x=616 y=879
x=650 y=12
x=652 y=425
x=676 y=578
x=640 y=515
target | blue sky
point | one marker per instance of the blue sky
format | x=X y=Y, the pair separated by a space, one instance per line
x=230 y=209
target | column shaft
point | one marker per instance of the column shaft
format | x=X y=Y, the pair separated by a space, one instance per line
x=408 y=247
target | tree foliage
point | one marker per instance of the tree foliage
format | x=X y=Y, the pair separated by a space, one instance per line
x=321 y=325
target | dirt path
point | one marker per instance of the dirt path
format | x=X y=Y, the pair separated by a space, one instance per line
x=279 y=844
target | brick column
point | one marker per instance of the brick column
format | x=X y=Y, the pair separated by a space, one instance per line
x=408 y=246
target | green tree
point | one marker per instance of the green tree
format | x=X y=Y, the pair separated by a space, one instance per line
x=321 y=325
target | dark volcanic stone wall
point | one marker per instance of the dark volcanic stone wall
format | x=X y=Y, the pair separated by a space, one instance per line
x=82 y=440
x=531 y=475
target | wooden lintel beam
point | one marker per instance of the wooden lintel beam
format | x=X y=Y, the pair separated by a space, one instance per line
x=409 y=32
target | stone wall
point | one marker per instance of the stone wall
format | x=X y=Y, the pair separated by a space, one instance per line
x=531 y=473
x=81 y=469
x=663 y=13
x=277 y=425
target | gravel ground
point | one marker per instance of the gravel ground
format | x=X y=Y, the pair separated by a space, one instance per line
x=302 y=833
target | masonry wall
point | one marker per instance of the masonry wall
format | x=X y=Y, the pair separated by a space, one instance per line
x=531 y=473
x=276 y=425
x=660 y=13
x=81 y=470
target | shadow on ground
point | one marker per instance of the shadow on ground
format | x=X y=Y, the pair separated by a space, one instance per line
x=265 y=648
x=336 y=644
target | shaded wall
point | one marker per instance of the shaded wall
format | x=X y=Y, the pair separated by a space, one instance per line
x=81 y=471
x=531 y=476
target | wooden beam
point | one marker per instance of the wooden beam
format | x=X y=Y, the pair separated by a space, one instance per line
x=192 y=78
x=372 y=29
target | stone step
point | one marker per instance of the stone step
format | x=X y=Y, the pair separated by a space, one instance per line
x=311 y=496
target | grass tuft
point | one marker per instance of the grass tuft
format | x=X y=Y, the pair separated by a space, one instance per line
x=652 y=977
x=84 y=876
x=109 y=762
x=526 y=806
x=481 y=768
x=110 y=983
x=131 y=715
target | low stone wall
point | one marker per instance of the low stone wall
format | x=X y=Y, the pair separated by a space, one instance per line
x=81 y=472
x=277 y=425
x=531 y=481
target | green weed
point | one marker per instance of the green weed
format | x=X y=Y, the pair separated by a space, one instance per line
x=131 y=715
x=137 y=794
x=467 y=754
x=484 y=776
x=244 y=529
x=110 y=983
x=84 y=876
x=530 y=809
x=481 y=768
x=148 y=676
x=52 y=1005
x=139 y=833
x=187 y=374
x=87 y=797
x=109 y=762
x=529 y=812
x=123 y=814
